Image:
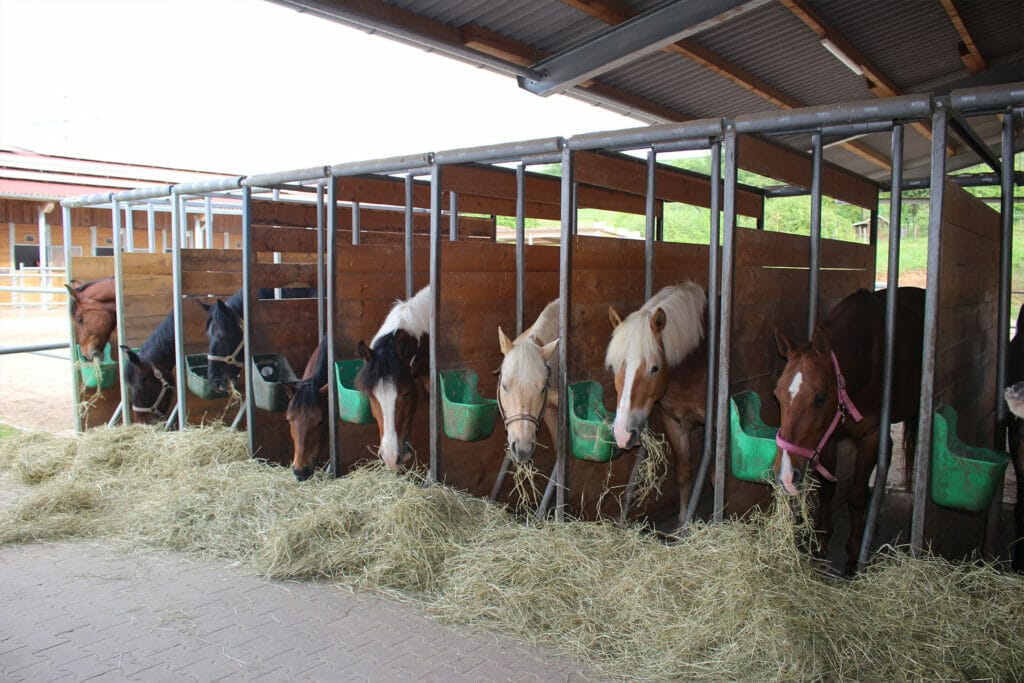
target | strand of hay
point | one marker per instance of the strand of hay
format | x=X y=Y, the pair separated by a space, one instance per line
x=85 y=406
x=524 y=484
x=736 y=600
x=653 y=469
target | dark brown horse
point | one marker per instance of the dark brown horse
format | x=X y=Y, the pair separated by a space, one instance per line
x=307 y=413
x=659 y=356
x=94 y=310
x=837 y=377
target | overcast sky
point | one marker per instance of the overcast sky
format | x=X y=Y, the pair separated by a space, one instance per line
x=246 y=86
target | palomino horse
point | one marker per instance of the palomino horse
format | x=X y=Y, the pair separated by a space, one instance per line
x=525 y=393
x=307 y=413
x=94 y=310
x=833 y=385
x=659 y=355
x=149 y=373
x=397 y=355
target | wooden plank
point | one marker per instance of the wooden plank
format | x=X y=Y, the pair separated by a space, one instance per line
x=282 y=275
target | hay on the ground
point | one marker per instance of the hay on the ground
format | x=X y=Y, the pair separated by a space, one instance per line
x=736 y=600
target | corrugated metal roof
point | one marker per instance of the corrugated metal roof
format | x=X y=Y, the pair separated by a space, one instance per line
x=912 y=42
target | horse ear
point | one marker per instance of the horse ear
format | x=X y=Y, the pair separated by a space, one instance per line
x=614 y=317
x=405 y=346
x=133 y=357
x=72 y=292
x=658 y=320
x=364 y=351
x=783 y=343
x=548 y=350
x=821 y=343
x=504 y=342
x=206 y=306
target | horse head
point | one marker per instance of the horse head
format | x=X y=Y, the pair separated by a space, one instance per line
x=388 y=379
x=306 y=417
x=808 y=395
x=95 y=320
x=636 y=355
x=224 y=330
x=150 y=390
x=523 y=391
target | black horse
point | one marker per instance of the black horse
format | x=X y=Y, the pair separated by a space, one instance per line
x=149 y=373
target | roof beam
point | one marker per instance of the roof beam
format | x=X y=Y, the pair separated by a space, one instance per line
x=616 y=12
x=878 y=83
x=969 y=52
x=627 y=42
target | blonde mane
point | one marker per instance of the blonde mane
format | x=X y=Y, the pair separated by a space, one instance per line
x=634 y=340
x=524 y=361
x=411 y=315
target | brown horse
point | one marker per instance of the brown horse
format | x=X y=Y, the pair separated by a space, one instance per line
x=94 y=310
x=659 y=356
x=307 y=413
x=836 y=378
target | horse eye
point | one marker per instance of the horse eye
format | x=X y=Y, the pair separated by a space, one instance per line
x=504 y=387
x=406 y=395
x=819 y=400
x=655 y=369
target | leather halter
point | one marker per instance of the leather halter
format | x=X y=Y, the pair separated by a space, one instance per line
x=527 y=417
x=233 y=358
x=845 y=409
x=165 y=387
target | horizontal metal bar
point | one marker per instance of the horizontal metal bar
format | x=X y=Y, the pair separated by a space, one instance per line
x=850 y=129
x=389 y=165
x=963 y=180
x=988 y=98
x=813 y=118
x=88 y=199
x=636 y=138
x=34 y=290
x=207 y=186
x=511 y=151
x=281 y=177
x=682 y=145
x=32 y=348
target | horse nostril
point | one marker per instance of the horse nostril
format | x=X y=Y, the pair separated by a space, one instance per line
x=797 y=476
x=302 y=474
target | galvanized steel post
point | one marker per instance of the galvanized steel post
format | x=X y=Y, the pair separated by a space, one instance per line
x=129 y=228
x=435 y=313
x=922 y=464
x=122 y=338
x=453 y=216
x=208 y=213
x=564 y=443
x=815 y=241
x=892 y=285
x=725 y=321
x=178 y=218
x=248 y=258
x=320 y=260
x=409 y=275
x=75 y=385
x=356 y=229
x=520 y=247
x=331 y=283
x=649 y=233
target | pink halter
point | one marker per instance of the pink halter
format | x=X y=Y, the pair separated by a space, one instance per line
x=843 y=410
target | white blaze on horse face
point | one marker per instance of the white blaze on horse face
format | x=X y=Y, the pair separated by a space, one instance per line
x=620 y=428
x=387 y=395
x=786 y=475
x=794 y=386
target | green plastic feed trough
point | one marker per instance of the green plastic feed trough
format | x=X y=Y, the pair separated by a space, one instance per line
x=751 y=441
x=467 y=415
x=353 y=405
x=105 y=377
x=197 y=379
x=270 y=373
x=590 y=423
x=963 y=477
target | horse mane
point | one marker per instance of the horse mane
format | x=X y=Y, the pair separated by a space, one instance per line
x=683 y=305
x=81 y=288
x=235 y=303
x=545 y=328
x=411 y=315
x=383 y=365
x=158 y=349
x=526 y=348
x=307 y=391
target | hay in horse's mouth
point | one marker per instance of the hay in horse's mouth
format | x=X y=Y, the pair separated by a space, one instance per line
x=735 y=600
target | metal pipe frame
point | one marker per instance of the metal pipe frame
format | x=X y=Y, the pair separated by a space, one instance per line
x=564 y=443
x=435 y=330
x=509 y=151
x=356 y=228
x=813 y=118
x=922 y=463
x=453 y=216
x=129 y=229
x=122 y=359
x=712 y=337
x=151 y=227
x=332 y=281
x=390 y=165
x=888 y=354
x=297 y=175
x=32 y=348
x=178 y=217
x=650 y=227
x=409 y=265
x=320 y=261
x=638 y=138
x=725 y=316
x=65 y=212
x=208 y=211
x=247 y=286
x=520 y=248
x=815 y=239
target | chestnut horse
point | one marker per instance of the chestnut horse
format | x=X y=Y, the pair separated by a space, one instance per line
x=94 y=310
x=528 y=383
x=307 y=413
x=659 y=356
x=834 y=384
x=396 y=357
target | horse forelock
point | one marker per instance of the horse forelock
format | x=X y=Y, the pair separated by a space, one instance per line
x=383 y=365
x=411 y=315
x=524 y=364
x=633 y=341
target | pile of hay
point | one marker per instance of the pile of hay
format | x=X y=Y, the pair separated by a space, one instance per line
x=735 y=600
